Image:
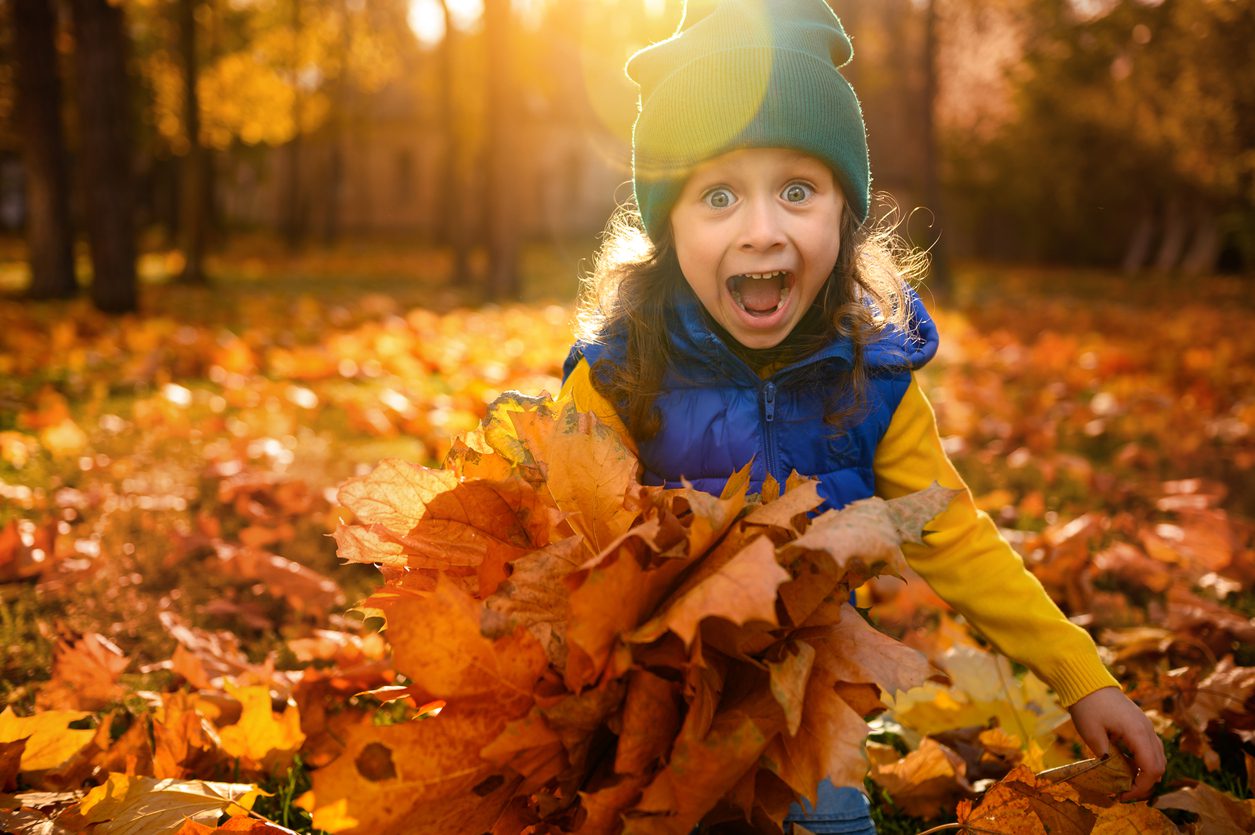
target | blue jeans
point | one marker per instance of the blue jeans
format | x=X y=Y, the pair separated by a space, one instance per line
x=836 y=810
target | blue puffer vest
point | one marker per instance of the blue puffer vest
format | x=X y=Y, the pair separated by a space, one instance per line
x=717 y=413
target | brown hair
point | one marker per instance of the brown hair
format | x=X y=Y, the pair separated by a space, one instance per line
x=634 y=283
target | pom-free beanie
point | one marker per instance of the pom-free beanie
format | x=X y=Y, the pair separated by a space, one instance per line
x=748 y=74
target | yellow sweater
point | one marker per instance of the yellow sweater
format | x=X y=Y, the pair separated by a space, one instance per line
x=965 y=559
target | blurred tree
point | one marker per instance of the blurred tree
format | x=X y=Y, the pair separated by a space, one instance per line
x=503 y=278
x=49 y=235
x=196 y=175
x=453 y=231
x=104 y=107
x=939 y=272
x=1133 y=135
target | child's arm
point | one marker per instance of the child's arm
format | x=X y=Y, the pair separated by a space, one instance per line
x=976 y=571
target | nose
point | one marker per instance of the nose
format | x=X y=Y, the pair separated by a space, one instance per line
x=762 y=226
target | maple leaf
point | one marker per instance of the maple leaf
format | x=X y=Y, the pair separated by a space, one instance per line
x=184 y=742
x=927 y=781
x=1218 y=813
x=84 y=674
x=144 y=805
x=418 y=778
x=50 y=742
x=263 y=740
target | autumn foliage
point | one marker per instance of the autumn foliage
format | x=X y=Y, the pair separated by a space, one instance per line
x=176 y=646
x=610 y=657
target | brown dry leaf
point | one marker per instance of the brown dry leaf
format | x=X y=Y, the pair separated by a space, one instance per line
x=1226 y=695
x=394 y=494
x=1218 y=813
x=421 y=777
x=1097 y=781
x=131 y=753
x=10 y=763
x=205 y=658
x=534 y=597
x=436 y=641
x=741 y=590
x=926 y=782
x=144 y=805
x=304 y=589
x=783 y=511
x=651 y=717
x=829 y=741
x=1020 y=804
x=184 y=742
x=701 y=771
x=608 y=601
x=84 y=675
x=858 y=652
x=1133 y=819
x=587 y=470
x=264 y=741
x=50 y=742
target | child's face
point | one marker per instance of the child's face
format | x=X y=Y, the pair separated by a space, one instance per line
x=756 y=236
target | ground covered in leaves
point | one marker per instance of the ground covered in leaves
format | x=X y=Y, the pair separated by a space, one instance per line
x=176 y=628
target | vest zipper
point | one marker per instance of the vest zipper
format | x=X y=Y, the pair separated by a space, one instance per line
x=769 y=437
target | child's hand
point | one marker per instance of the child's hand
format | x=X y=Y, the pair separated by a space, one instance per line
x=1107 y=713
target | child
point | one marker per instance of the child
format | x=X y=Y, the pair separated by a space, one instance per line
x=761 y=319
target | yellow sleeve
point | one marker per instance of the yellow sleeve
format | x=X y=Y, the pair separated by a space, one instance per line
x=578 y=388
x=974 y=569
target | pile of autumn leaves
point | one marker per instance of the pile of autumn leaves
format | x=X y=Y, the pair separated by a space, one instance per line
x=609 y=655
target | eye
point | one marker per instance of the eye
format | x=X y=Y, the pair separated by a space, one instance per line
x=797 y=192
x=719 y=198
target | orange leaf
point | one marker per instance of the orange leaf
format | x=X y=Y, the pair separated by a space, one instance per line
x=741 y=590
x=418 y=778
x=828 y=743
x=436 y=641
x=651 y=717
x=84 y=674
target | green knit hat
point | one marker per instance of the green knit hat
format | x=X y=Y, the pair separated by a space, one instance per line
x=747 y=74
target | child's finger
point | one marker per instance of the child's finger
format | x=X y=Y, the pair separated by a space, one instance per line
x=1148 y=757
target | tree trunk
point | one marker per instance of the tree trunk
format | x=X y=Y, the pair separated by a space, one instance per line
x=336 y=122
x=104 y=104
x=453 y=214
x=294 y=210
x=49 y=235
x=1175 y=231
x=194 y=194
x=499 y=203
x=939 y=274
x=1138 y=249
x=1204 y=251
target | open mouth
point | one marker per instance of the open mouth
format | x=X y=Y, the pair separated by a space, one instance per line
x=761 y=294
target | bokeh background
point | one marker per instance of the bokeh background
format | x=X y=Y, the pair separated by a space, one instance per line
x=493 y=136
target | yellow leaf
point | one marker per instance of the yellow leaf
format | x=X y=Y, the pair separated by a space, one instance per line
x=51 y=741
x=146 y=805
x=262 y=739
